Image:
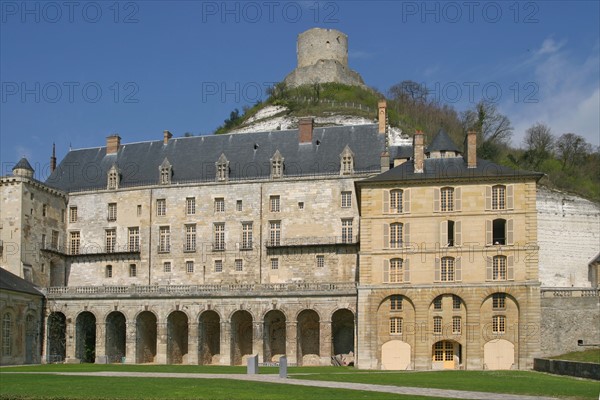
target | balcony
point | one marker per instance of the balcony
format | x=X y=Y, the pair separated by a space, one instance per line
x=313 y=241
x=92 y=251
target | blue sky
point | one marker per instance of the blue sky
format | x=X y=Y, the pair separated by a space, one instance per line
x=75 y=72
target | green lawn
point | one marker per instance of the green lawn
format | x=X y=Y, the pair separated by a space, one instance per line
x=592 y=355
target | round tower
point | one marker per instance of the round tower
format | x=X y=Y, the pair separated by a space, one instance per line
x=322 y=44
x=23 y=168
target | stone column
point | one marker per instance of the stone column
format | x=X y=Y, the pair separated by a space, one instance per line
x=325 y=342
x=424 y=338
x=257 y=339
x=162 y=338
x=193 y=334
x=225 y=343
x=130 y=342
x=100 y=340
x=291 y=345
x=70 y=339
x=45 y=338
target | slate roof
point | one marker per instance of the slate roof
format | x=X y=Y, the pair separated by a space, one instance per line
x=24 y=164
x=442 y=142
x=401 y=152
x=449 y=168
x=9 y=281
x=193 y=159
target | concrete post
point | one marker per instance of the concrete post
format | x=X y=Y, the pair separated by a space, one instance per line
x=283 y=367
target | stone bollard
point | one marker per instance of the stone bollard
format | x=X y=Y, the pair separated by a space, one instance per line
x=252 y=365
x=283 y=367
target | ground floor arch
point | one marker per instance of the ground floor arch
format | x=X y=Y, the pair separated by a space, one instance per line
x=177 y=337
x=209 y=337
x=498 y=354
x=116 y=333
x=274 y=335
x=146 y=333
x=446 y=354
x=57 y=338
x=309 y=343
x=241 y=336
x=395 y=355
x=85 y=336
x=342 y=331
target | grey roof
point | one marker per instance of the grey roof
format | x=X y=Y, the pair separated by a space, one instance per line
x=401 y=152
x=193 y=159
x=10 y=281
x=442 y=142
x=24 y=164
x=449 y=168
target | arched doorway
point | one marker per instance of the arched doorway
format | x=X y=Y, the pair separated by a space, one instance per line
x=274 y=335
x=498 y=354
x=115 y=337
x=446 y=354
x=395 y=355
x=85 y=345
x=57 y=340
x=209 y=340
x=241 y=336
x=309 y=344
x=145 y=337
x=177 y=337
x=342 y=331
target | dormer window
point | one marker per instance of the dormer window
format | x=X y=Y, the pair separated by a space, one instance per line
x=347 y=162
x=165 y=172
x=113 y=178
x=277 y=165
x=222 y=166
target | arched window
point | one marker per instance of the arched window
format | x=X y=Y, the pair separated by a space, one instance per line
x=165 y=172
x=113 y=178
x=277 y=165
x=396 y=270
x=499 y=197
x=7 y=334
x=347 y=162
x=396 y=201
x=222 y=169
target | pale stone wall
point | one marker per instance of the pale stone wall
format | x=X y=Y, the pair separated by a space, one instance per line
x=322 y=44
x=568 y=236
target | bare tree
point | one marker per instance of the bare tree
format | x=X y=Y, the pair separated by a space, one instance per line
x=491 y=126
x=409 y=91
x=539 y=144
x=572 y=150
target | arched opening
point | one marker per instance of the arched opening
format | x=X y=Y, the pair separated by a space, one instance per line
x=274 y=336
x=145 y=337
x=115 y=337
x=57 y=340
x=498 y=354
x=395 y=355
x=209 y=340
x=342 y=331
x=31 y=340
x=308 y=338
x=177 y=337
x=85 y=334
x=241 y=336
x=446 y=354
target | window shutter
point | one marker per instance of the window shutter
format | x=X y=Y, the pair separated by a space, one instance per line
x=436 y=276
x=510 y=270
x=457 y=269
x=406 y=266
x=386 y=236
x=488 y=268
x=436 y=200
x=406 y=234
x=457 y=199
x=488 y=197
x=406 y=199
x=509 y=231
x=457 y=233
x=443 y=233
x=488 y=232
x=510 y=203
x=386 y=201
x=386 y=271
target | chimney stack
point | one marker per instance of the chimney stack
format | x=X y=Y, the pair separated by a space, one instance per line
x=305 y=129
x=112 y=144
x=419 y=154
x=53 y=158
x=471 y=149
x=166 y=136
x=382 y=116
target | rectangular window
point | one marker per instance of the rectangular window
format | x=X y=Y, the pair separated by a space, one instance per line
x=456 y=325
x=239 y=265
x=346 y=199
x=396 y=201
x=161 y=207
x=274 y=203
x=132 y=270
x=396 y=236
x=447 y=199
x=108 y=271
x=300 y=205
x=218 y=265
x=346 y=231
x=111 y=240
x=112 y=211
x=498 y=197
x=395 y=326
x=447 y=270
x=75 y=242
x=43 y=241
x=246 y=235
x=498 y=324
x=190 y=238
x=44 y=210
x=455 y=302
x=134 y=238
x=190 y=205
x=219 y=205
x=499 y=268
x=139 y=210
x=274 y=263
x=437 y=325
x=320 y=261
x=238 y=205
x=167 y=266
x=219 y=236
x=396 y=303
x=72 y=214
x=437 y=303
x=499 y=301
x=189 y=267
x=54 y=240
x=164 y=239
x=275 y=233
x=396 y=270
x=438 y=352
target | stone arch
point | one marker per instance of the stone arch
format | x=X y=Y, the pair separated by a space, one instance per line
x=396 y=325
x=85 y=335
x=231 y=314
x=395 y=355
x=274 y=335
x=115 y=338
x=177 y=337
x=241 y=336
x=301 y=310
x=449 y=291
x=308 y=337
x=146 y=334
x=342 y=331
x=507 y=308
x=209 y=336
x=446 y=354
x=498 y=354
x=57 y=337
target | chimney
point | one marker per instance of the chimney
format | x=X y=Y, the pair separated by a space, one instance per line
x=53 y=158
x=305 y=129
x=382 y=116
x=418 y=149
x=385 y=161
x=471 y=149
x=112 y=144
x=166 y=136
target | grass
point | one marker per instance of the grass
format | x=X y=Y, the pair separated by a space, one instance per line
x=591 y=356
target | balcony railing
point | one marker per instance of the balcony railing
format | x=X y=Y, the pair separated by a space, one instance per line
x=313 y=241
x=89 y=250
